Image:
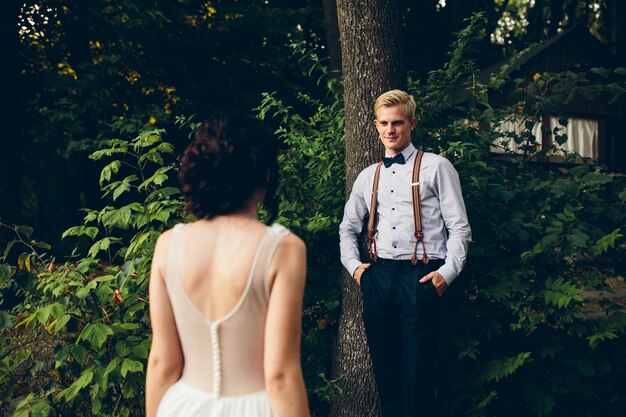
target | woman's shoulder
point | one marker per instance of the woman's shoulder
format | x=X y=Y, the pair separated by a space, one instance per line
x=165 y=237
x=290 y=242
x=277 y=229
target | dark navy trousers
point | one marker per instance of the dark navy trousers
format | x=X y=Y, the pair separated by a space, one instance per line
x=401 y=320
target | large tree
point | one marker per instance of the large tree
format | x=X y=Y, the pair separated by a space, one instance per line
x=78 y=72
x=11 y=156
x=372 y=63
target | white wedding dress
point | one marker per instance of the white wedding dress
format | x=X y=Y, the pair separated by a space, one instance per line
x=223 y=372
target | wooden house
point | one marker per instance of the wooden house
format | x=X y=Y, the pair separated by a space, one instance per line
x=596 y=128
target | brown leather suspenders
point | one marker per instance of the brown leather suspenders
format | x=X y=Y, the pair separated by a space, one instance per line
x=417 y=215
x=371 y=224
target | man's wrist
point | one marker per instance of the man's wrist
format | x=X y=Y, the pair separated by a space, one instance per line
x=448 y=273
x=353 y=265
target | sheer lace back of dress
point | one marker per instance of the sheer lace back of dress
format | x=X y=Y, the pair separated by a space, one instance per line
x=224 y=357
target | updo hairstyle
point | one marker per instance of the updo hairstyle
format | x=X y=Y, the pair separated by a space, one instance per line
x=228 y=161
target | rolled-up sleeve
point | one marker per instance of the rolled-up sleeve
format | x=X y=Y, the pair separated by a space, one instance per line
x=455 y=219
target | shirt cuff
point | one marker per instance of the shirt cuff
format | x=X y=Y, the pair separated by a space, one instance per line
x=448 y=273
x=353 y=265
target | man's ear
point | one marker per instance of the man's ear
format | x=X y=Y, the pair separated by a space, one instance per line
x=413 y=123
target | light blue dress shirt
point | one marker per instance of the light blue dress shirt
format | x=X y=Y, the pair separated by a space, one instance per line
x=444 y=220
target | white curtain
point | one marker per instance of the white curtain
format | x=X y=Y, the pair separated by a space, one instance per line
x=582 y=136
x=515 y=125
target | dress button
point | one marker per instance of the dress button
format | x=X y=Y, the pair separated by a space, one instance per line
x=395 y=247
x=393 y=208
x=394 y=227
x=392 y=191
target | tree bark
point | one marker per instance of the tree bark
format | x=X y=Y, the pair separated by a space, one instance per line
x=372 y=63
x=11 y=133
x=332 y=34
x=615 y=32
x=536 y=23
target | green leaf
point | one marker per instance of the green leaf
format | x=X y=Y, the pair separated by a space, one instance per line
x=8 y=249
x=578 y=238
x=136 y=243
x=105 y=243
x=62 y=352
x=80 y=355
x=129 y=365
x=94 y=249
x=602 y=72
x=112 y=168
x=84 y=291
x=113 y=365
x=596 y=338
x=503 y=367
x=6 y=320
x=33 y=406
x=43 y=314
x=24 y=230
x=123 y=187
x=96 y=406
x=140 y=351
x=607 y=241
x=92 y=232
x=95 y=333
x=72 y=391
x=42 y=245
x=561 y=294
x=91 y=216
x=6 y=272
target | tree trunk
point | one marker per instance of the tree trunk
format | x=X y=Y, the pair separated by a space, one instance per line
x=11 y=133
x=557 y=13
x=372 y=63
x=332 y=34
x=615 y=32
x=536 y=22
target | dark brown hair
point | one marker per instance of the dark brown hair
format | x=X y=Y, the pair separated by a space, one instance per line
x=230 y=158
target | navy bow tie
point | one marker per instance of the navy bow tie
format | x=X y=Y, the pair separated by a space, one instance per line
x=398 y=159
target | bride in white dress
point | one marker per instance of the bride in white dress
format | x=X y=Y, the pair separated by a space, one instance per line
x=226 y=291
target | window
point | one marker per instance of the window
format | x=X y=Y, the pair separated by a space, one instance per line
x=518 y=135
x=582 y=136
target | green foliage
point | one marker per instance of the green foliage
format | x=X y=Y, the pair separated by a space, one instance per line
x=311 y=200
x=84 y=72
x=520 y=336
x=77 y=344
x=84 y=323
x=546 y=237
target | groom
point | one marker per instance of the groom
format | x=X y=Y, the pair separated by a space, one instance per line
x=418 y=236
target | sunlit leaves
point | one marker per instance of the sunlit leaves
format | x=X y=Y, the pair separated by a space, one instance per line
x=560 y=293
x=95 y=333
x=506 y=366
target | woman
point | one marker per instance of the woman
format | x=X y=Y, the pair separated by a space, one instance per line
x=226 y=291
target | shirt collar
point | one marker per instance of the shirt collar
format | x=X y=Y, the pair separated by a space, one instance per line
x=407 y=152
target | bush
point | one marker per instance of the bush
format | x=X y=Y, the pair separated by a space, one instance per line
x=517 y=338
x=78 y=341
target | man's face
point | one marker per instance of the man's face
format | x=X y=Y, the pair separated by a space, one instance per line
x=394 y=127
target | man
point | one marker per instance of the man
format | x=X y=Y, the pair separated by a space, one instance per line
x=408 y=274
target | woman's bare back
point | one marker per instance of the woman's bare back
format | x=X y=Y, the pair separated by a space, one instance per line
x=217 y=257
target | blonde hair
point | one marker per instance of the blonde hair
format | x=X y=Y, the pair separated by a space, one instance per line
x=393 y=98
